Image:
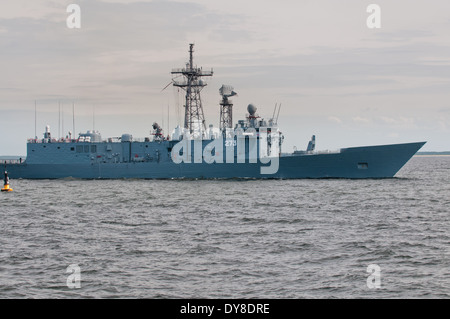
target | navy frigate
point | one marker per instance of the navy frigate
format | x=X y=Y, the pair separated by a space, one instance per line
x=251 y=148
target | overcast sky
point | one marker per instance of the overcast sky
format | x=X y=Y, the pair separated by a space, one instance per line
x=334 y=77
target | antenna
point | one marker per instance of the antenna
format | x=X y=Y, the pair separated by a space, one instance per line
x=162 y=116
x=178 y=97
x=279 y=108
x=59 y=120
x=35 y=116
x=168 y=118
x=73 y=117
x=275 y=108
x=226 y=107
x=62 y=119
x=167 y=86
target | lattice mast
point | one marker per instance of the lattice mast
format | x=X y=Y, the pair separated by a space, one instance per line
x=194 y=117
x=226 y=107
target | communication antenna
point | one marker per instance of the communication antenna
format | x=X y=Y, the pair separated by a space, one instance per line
x=168 y=117
x=62 y=119
x=35 y=117
x=226 y=107
x=59 y=120
x=279 y=108
x=73 y=117
x=162 y=116
x=275 y=108
x=178 y=98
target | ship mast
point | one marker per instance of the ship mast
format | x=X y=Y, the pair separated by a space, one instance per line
x=226 y=107
x=194 y=118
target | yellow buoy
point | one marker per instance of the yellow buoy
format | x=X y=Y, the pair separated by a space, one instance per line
x=6 y=187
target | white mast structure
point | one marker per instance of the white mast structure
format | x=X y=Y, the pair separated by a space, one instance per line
x=194 y=117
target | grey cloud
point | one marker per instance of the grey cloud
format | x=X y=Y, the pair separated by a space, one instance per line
x=402 y=35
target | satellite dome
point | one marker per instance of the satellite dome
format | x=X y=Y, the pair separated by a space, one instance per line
x=251 y=109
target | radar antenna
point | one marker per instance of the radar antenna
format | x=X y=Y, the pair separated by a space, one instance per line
x=158 y=132
x=226 y=107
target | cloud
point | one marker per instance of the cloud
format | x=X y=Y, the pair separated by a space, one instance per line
x=362 y=120
x=317 y=58
x=48 y=10
x=400 y=122
x=335 y=119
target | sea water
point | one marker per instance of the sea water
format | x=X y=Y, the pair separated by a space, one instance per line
x=331 y=238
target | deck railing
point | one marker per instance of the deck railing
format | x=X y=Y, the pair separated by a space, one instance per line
x=11 y=161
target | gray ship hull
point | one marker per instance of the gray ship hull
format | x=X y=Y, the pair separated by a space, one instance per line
x=355 y=163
